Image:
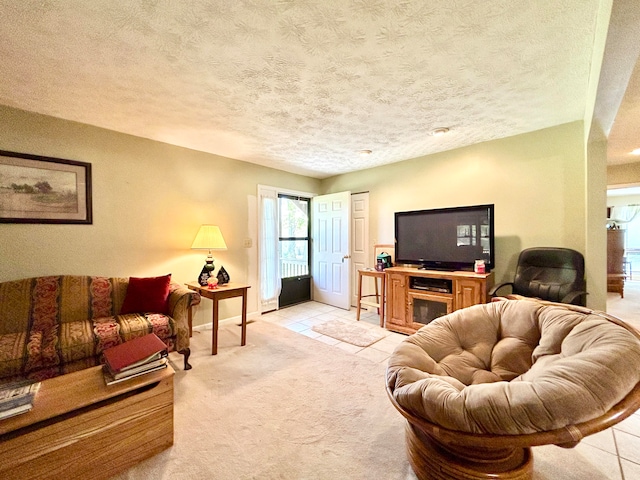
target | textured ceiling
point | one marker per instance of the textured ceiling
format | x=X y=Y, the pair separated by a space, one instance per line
x=300 y=85
x=625 y=133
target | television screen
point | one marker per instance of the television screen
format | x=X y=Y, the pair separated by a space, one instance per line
x=446 y=238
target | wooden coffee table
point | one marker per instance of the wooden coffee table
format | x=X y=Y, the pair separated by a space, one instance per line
x=81 y=428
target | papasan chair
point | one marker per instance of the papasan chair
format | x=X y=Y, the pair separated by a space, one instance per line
x=480 y=386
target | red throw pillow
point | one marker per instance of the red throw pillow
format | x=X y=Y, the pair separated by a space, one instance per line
x=147 y=295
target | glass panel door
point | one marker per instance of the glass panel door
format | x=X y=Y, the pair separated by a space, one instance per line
x=294 y=248
x=424 y=308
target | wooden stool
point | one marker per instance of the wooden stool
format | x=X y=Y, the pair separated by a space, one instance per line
x=380 y=296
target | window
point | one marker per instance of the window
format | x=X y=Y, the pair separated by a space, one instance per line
x=294 y=236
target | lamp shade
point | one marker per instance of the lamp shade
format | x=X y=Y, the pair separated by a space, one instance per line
x=209 y=237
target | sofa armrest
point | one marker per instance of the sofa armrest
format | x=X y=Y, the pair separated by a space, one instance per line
x=181 y=299
x=179 y=293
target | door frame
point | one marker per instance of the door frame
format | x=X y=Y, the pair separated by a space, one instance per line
x=360 y=247
x=277 y=190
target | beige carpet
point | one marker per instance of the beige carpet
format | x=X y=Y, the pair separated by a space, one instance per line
x=282 y=407
x=288 y=407
x=349 y=332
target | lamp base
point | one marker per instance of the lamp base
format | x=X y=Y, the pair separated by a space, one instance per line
x=207 y=271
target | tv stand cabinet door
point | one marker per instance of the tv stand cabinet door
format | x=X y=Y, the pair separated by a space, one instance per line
x=397 y=303
x=469 y=292
x=424 y=308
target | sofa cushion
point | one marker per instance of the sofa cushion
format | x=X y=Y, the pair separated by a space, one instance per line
x=76 y=341
x=12 y=353
x=112 y=331
x=147 y=295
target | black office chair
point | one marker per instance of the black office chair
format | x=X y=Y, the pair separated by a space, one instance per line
x=553 y=274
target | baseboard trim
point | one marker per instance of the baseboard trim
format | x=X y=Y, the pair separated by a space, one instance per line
x=227 y=321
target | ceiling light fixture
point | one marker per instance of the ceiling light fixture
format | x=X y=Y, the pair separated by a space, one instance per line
x=636 y=151
x=438 y=132
x=364 y=153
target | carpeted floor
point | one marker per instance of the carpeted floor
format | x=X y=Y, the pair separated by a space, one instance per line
x=282 y=407
x=288 y=407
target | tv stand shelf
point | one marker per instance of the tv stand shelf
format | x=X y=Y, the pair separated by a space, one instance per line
x=415 y=296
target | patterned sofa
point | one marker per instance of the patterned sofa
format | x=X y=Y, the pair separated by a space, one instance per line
x=59 y=324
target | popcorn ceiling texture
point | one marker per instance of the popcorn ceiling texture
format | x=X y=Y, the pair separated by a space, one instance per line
x=297 y=85
x=625 y=134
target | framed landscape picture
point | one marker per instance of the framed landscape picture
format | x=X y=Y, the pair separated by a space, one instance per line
x=36 y=189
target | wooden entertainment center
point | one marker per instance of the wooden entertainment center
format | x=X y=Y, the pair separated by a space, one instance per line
x=415 y=296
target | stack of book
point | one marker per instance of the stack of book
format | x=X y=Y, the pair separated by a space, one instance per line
x=136 y=357
x=17 y=397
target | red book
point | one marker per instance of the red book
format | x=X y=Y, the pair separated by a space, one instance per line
x=136 y=351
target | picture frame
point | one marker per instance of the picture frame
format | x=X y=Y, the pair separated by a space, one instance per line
x=39 y=189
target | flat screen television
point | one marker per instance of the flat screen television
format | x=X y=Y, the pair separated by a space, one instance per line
x=446 y=238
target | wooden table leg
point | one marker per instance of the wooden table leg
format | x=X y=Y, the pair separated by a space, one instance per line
x=244 y=318
x=214 y=335
x=383 y=288
x=375 y=282
x=359 y=296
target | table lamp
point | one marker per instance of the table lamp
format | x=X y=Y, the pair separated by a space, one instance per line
x=209 y=237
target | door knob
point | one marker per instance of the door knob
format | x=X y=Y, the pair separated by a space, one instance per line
x=346 y=256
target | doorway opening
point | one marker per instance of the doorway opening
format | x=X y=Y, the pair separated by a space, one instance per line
x=294 y=247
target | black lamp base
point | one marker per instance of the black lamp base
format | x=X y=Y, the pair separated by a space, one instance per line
x=207 y=271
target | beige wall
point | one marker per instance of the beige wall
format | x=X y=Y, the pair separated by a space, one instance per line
x=537 y=182
x=596 y=232
x=149 y=199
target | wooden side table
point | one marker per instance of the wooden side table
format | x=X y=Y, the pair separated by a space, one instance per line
x=380 y=296
x=221 y=292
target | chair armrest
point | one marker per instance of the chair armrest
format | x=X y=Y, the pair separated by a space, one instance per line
x=494 y=290
x=571 y=297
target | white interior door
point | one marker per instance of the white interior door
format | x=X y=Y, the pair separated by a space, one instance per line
x=331 y=237
x=360 y=251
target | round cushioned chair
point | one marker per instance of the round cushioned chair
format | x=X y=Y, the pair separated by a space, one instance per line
x=481 y=385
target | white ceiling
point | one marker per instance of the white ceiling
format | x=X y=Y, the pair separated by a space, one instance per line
x=625 y=133
x=302 y=86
